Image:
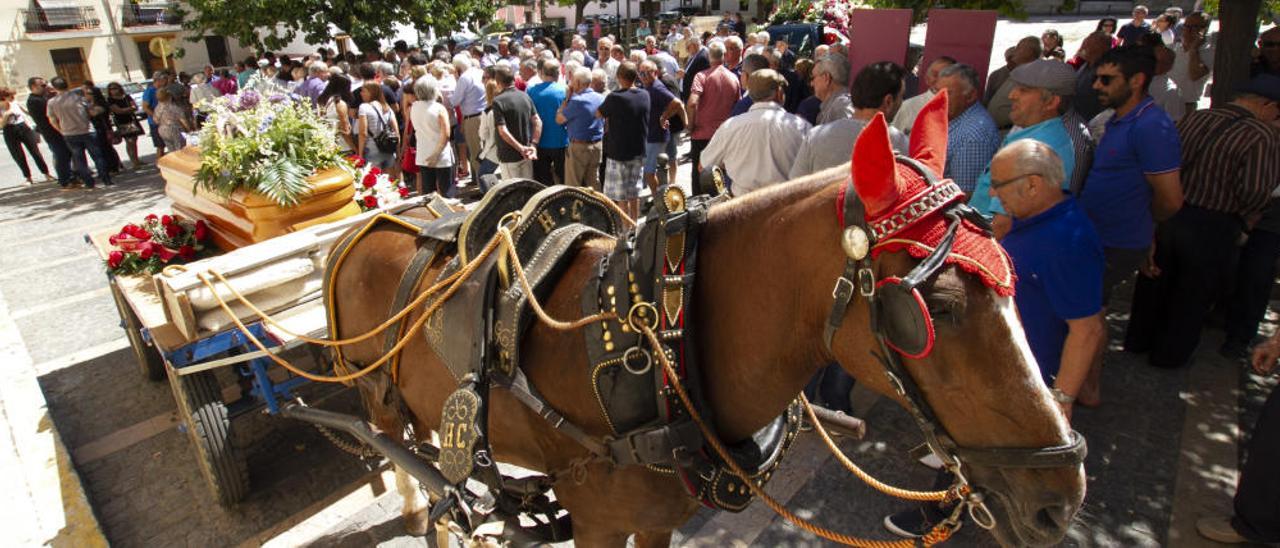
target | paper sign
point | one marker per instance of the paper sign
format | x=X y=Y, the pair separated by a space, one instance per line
x=966 y=35
x=877 y=35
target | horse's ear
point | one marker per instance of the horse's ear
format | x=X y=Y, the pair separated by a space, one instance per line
x=929 y=134
x=874 y=169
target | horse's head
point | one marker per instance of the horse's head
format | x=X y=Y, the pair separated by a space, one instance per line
x=937 y=290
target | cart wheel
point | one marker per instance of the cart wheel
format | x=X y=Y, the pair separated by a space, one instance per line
x=200 y=407
x=147 y=356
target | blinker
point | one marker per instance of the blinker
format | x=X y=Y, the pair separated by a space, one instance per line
x=855 y=243
x=905 y=318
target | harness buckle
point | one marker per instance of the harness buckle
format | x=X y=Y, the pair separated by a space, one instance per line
x=843 y=289
x=866 y=282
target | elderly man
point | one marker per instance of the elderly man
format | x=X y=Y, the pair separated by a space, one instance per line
x=517 y=127
x=547 y=96
x=699 y=60
x=877 y=89
x=469 y=99
x=972 y=138
x=831 y=86
x=663 y=106
x=758 y=148
x=1039 y=96
x=750 y=64
x=626 y=116
x=317 y=79
x=733 y=52
x=1193 y=60
x=711 y=98
x=585 y=130
x=998 y=103
x=1059 y=261
x=910 y=109
x=604 y=47
x=1230 y=168
x=1094 y=47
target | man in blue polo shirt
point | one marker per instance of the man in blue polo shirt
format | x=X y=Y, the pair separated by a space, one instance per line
x=1059 y=261
x=547 y=96
x=1134 y=180
x=1041 y=93
x=578 y=116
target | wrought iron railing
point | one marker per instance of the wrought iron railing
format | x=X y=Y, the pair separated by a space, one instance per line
x=149 y=13
x=60 y=19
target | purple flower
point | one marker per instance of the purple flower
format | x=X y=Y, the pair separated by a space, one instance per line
x=249 y=99
x=277 y=98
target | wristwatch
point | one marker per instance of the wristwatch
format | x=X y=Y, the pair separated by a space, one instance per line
x=1062 y=397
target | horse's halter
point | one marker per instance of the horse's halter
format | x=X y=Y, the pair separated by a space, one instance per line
x=903 y=326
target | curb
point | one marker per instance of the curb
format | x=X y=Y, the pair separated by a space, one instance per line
x=40 y=485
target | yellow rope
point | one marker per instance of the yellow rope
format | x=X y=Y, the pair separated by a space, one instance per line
x=940 y=532
x=882 y=487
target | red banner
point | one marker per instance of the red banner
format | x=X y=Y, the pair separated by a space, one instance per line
x=966 y=35
x=877 y=35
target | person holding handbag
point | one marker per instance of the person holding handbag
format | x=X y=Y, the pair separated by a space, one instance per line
x=100 y=117
x=377 y=134
x=434 y=156
x=18 y=134
x=124 y=113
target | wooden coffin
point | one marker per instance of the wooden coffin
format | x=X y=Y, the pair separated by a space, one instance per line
x=245 y=217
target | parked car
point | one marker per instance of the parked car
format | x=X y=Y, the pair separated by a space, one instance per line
x=679 y=13
x=802 y=37
x=538 y=32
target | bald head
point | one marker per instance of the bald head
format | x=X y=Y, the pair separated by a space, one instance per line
x=1027 y=175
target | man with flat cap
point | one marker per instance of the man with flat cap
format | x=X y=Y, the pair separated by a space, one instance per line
x=758 y=148
x=1040 y=95
x=1229 y=171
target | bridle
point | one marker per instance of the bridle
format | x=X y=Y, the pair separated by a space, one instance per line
x=903 y=326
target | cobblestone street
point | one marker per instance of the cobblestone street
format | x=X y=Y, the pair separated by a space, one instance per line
x=1163 y=447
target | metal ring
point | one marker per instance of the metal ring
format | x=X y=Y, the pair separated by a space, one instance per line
x=626 y=360
x=169 y=271
x=634 y=319
x=508 y=219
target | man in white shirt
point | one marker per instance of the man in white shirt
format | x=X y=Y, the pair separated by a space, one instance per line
x=910 y=108
x=469 y=98
x=1193 y=60
x=758 y=148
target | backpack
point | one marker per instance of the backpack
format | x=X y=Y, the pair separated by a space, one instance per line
x=386 y=141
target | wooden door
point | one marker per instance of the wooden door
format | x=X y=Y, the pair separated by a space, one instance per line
x=69 y=64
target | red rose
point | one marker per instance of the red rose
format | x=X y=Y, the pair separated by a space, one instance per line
x=113 y=239
x=166 y=253
x=166 y=220
x=114 y=259
x=151 y=218
x=173 y=230
x=356 y=161
x=404 y=192
x=369 y=180
x=146 y=252
x=371 y=201
x=187 y=252
x=202 y=231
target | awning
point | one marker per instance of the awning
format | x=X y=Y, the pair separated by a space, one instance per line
x=64 y=13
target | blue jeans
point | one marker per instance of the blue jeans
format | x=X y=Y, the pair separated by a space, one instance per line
x=61 y=154
x=88 y=142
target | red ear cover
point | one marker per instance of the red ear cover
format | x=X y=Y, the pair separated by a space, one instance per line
x=929 y=134
x=874 y=170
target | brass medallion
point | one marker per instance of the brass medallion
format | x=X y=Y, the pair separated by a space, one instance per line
x=674 y=199
x=459 y=432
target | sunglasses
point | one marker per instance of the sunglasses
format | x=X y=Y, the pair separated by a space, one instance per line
x=1105 y=78
x=997 y=185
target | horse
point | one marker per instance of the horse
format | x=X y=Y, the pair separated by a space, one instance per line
x=764 y=295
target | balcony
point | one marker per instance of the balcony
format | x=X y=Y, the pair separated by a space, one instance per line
x=149 y=14
x=60 y=18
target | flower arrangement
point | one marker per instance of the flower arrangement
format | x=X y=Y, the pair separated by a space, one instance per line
x=155 y=243
x=833 y=14
x=268 y=144
x=375 y=188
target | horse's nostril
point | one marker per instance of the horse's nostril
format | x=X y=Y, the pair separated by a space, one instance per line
x=1053 y=518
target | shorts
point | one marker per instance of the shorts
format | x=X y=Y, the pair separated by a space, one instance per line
x=652 y=150
x=1121 y=265
x=623 y=179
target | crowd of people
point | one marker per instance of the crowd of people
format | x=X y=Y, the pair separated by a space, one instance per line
x=1096 y=170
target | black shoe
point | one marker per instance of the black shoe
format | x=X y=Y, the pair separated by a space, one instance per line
x=108 y=182
x=917 y=522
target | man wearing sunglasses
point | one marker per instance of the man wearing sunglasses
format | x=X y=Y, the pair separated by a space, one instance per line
x=1193 y=62
x=1267 y=56
x=1134 y=180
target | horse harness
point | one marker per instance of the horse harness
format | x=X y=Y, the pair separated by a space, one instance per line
x=903 y=325
x=648 y=277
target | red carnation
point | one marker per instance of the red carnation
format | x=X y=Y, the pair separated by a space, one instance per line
x=202 y=231
x=187 y=252
x=114 y=259
x=356 y=161
x=166 y=220
x=374 y=170
x=151 y=218
x=371 y=201
x=173 y=230
x=113 y=239
x=166 y=253
x=404 y=192
x=369 y=180
x=146 y=252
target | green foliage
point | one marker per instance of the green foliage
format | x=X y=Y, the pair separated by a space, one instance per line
x=1268 y=15
x=268 y=145
x=920 y=8
x=273 y=24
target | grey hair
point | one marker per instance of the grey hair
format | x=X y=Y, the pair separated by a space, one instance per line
x=550 y=70
x=965 y=72
x=837 y=66
x=425 y=89
x=1036 y=158
x=317 y=68
x=716 y=51
x=734 y=40
x=599 y=74
x=582 y=76
x=577 y=57
x=384 y=67
x=462 y=62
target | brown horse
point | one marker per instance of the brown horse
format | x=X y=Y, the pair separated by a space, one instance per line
x=768 y=263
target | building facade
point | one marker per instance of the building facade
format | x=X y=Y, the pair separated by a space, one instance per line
x=100 y=40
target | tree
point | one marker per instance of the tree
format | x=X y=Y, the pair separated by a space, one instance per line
x=920 y=8
x=1238 y=29
x=579 y=6
x=273 y=24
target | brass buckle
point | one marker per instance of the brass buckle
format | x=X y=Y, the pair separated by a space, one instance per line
x=640 y=312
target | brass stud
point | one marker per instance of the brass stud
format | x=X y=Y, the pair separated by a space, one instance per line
x=642 y=312
x=608 y=347
x=626 y=328
x=635 y=288
x=608 y=336
x=609 y=290
x=613 y=301
x=563 y=211
x=631 y=276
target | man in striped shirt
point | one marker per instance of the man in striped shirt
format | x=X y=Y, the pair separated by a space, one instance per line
x=1229 y=168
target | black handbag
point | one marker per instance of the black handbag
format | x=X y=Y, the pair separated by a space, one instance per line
x=387 y=141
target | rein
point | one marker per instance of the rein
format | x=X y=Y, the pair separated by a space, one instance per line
x=894 y=297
